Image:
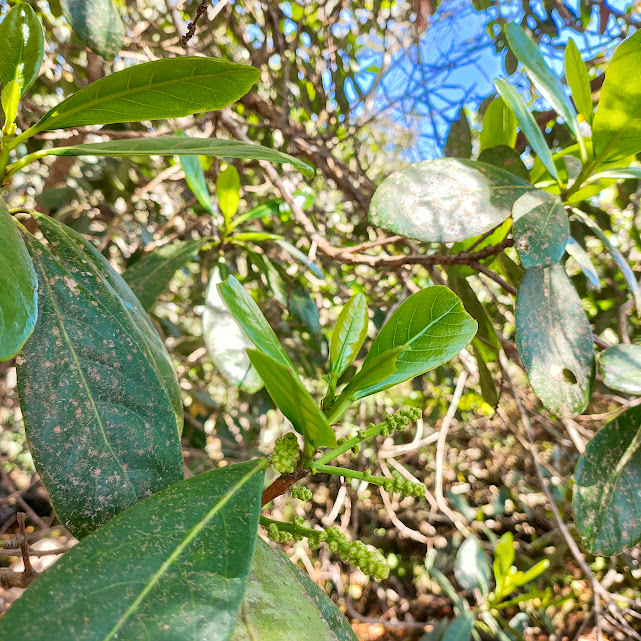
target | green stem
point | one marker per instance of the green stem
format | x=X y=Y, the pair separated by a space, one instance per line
x=352 y=474
x=348 y=445
x=27 y=160
x=287 y=527
x=25 y=135
x=308 y=455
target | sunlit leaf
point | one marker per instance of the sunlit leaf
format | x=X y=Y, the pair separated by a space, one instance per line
x=576 y=74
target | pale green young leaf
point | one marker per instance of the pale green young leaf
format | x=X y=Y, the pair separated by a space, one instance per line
x=174 y=566
x=23 y=47
x=576 y=73
x=195 y=179
x=499 y=126
x=10 y=98
x=228 y=192
x=528 y=124
x=349 y=335
x=293 y=399
x=503 y=559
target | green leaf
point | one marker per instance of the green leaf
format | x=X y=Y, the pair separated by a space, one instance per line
x=282 y=603
x=576 y=73
x=173 y=566
x=503 y=560
x=621 y=368
x=94 y=390
x=304 y=309
x=166 y=88
x=228 y=192
x=248 y=315
x=541 y=229
x=499 y=126
x=616 y=130
x=23 y=42
x=607 y=512
x=550 y=87
x=349 y=335
x=305 y=260
x=527 y=123
x=181 y=146
x=623 y=173
x=519 y=579
x=253 y=236
x=10 y=99
x=294 y=401
x=97 y=23
x=460 y=629
x=150 y=276
x=505 y=158
x=554 y=339
x=583 y=260
x=18 y=288
x=445 y=200
x=226 y=341
x=433 y=325
x=618 y=257
x=459 y=139
x=195 y=179
x=489 y=392
x=471 y=567
x=270 y=207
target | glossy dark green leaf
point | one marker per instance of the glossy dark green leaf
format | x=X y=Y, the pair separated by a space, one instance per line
x=294 y=401
x=97 y=23
x=96 y=397
x=576 y=73
x=541 y=229
x=460 y=629
x=527 y=123
x=616 y=129
x=18 y=288
x=166 y=88
x=150 y=276
x=459 y=138
x=248 y=315
x=618 y=257
x=349 y=335
x=607 y=512
x=180 y=146
x=550 y=87
x=621 y=368
x=21 y=35
x=583 y=260
x=173 y=566
x=195 y=179
x=445 y=200
x=226 y=341
x=471 y=567
x=228 y=192
x=282 y=603
x=554 y=339
x=499 y=126
x=433 y=325
x=505 y=158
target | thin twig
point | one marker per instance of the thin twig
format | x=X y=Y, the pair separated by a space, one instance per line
x=201 y=10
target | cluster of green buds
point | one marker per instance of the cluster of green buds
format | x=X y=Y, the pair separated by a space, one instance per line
x=355 y=553
x=286 y=454
x=282 y=536
x=401 y=420
x=301 y=493
x=403 y=486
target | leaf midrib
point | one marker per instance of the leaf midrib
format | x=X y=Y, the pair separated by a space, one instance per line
x=190 y=536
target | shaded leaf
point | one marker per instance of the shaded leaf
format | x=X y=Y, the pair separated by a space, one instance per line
x=541 y=229
x=349 y=335
x=434 y=327
x=459 y=138
x=97 y=23
x=166 y=88
x=505 y=158
x=304 y=309
x=489 y=391
x=150 y=276
x=21 y=35
x=460 y=629
x=445 y=200
x=248 y=315
x=499 y=126
x=294 y=401
x=527 y=123
x=173 y=566
x=550 y=87
x=621 y=368
x=94 y=392
x=181 y=146
x=226 y=342
x=282 y=603
x=576 y=74
x=616 y=130
x=607 y=512
x=471 y=567
x=18 y=288
x=554 y=339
